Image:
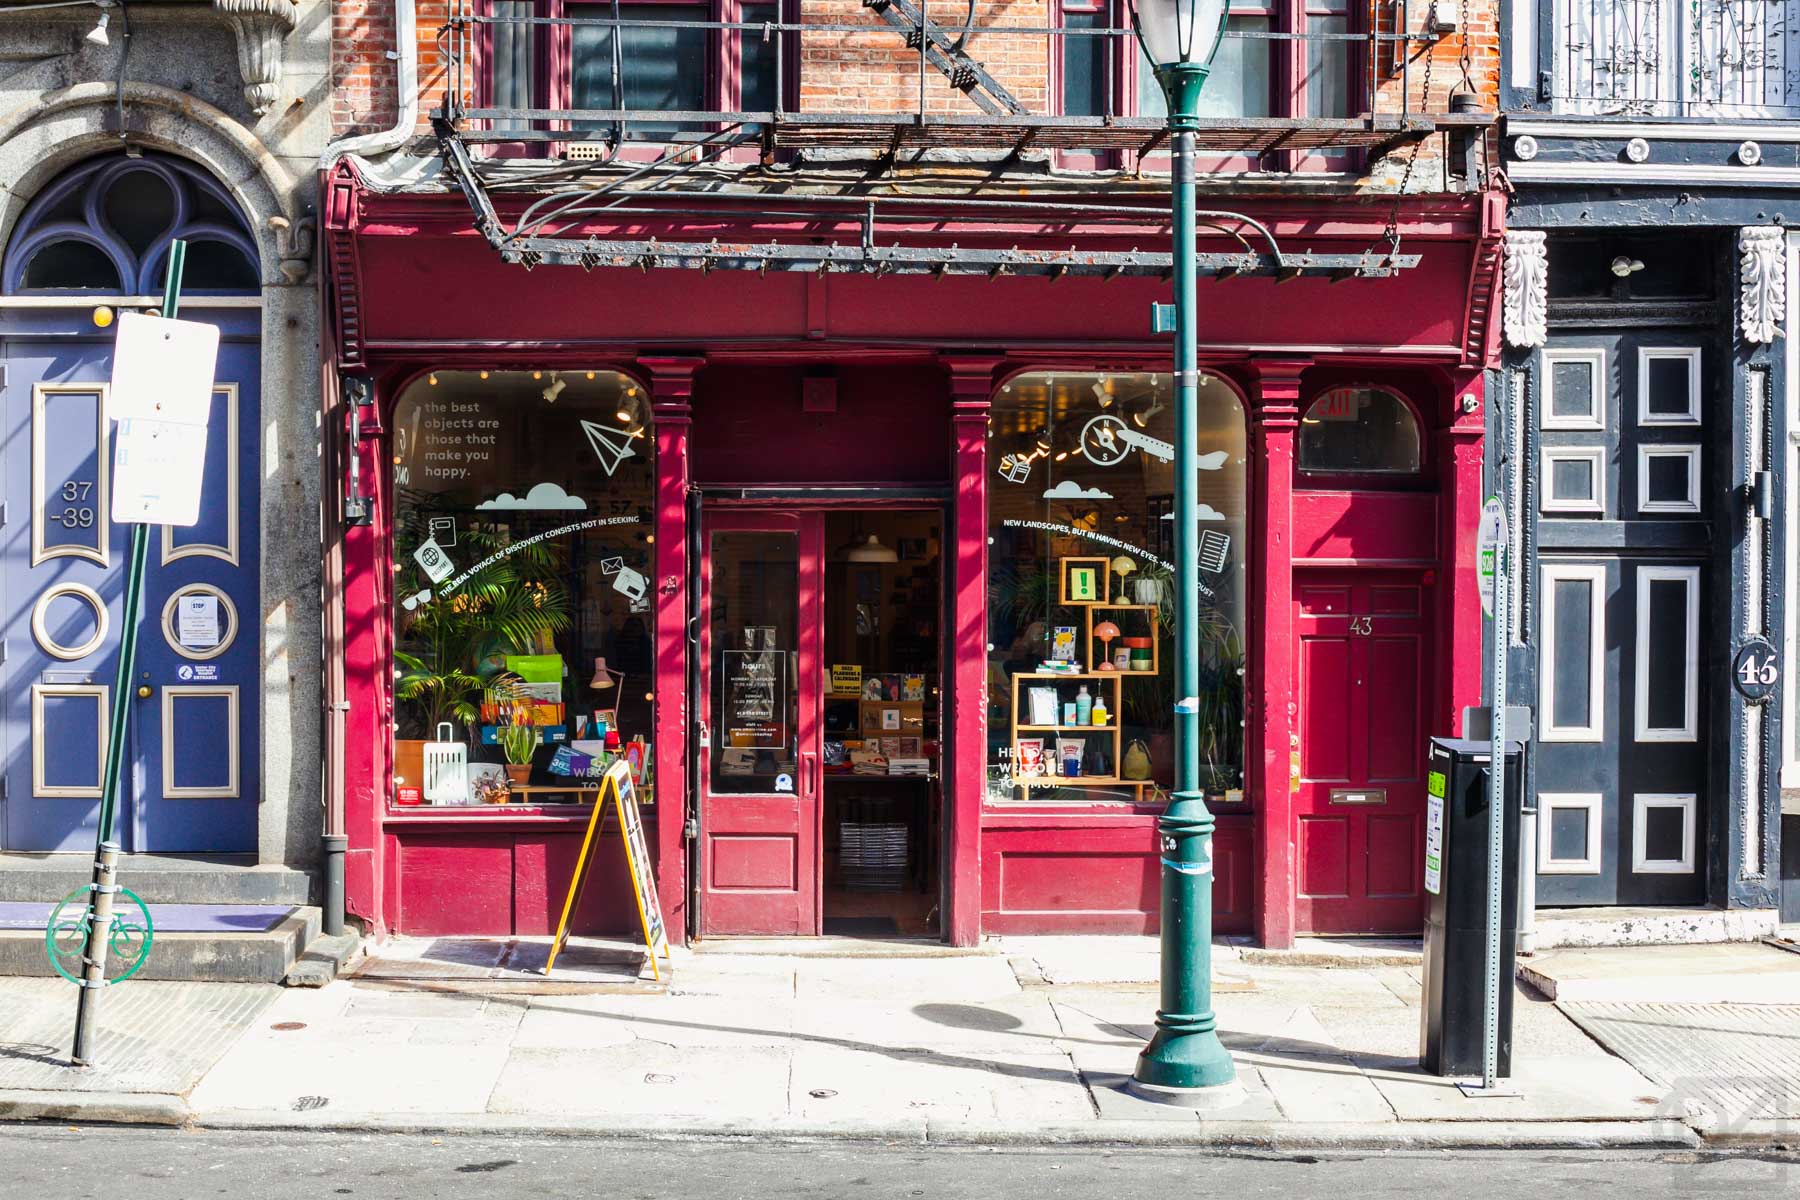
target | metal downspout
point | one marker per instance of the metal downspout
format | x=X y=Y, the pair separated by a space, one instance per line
x=406 y=54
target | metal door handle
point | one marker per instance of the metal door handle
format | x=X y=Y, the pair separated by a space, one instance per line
x=809 y=769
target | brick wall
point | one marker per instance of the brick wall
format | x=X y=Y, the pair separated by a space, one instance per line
x=874 y=71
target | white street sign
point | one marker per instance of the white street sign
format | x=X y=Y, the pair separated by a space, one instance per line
x=163 y=369
x=157 y=469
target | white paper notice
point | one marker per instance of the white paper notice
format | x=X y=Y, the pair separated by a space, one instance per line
x=197 y=621
x=162 y=368
x=157 y=470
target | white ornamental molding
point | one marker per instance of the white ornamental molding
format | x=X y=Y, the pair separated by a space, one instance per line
x=1524 y=287
x=1762 y=282
x=262 y=27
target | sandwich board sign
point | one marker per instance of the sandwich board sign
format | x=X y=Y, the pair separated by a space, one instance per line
x=617 y=790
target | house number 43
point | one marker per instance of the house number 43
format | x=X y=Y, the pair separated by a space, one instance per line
x=1755 y=670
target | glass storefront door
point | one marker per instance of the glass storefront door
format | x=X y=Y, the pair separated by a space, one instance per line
x=760 y=675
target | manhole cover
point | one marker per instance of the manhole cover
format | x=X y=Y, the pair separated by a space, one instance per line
x=309 y=1103
x=822 y=1093
x=655 y=1078
x=287 y=1026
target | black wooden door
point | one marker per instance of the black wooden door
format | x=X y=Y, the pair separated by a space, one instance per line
x=1622 y=464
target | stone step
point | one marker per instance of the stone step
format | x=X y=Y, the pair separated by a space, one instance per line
x=1733 y=973
x=157 y=878
x=264 y=951
x=1558 y=928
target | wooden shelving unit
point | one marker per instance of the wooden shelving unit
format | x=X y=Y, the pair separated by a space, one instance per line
x=1152 y=616
x=1067 y=685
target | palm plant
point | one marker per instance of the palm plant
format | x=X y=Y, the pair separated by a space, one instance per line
x=451 y=648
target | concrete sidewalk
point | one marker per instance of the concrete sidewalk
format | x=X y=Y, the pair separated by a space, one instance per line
x=1027 y=1042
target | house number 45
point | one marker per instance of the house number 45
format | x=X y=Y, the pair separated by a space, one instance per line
x=1755 y=670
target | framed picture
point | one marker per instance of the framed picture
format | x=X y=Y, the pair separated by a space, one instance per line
x=1084 y=580
x=890 y=718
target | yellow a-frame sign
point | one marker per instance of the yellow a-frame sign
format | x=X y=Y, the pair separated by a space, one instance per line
x=617 y=785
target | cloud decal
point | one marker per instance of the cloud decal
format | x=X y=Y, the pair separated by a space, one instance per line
x=1213 y=461
x=1207 y=513
x=1068 y=489
x=541 y=496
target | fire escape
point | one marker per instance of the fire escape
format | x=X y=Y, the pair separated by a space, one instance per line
x=958 y=105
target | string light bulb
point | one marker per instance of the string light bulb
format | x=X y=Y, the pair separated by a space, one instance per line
x=433 y=379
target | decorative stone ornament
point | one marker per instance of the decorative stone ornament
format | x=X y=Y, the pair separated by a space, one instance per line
x=1525 y=147
x=261 y=27
x=1762 y=282
x=1637 y=150
x=1524 y=288
x=1749 y=153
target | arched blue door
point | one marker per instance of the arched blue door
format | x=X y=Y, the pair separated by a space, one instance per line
x=92 y=241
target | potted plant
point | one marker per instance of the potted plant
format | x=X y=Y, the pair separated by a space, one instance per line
x=450 y=648
x=518 y=743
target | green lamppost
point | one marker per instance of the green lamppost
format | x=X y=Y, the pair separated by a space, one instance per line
x=1184 y=1062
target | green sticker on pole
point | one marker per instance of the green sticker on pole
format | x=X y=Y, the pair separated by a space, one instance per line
x=1489 y=540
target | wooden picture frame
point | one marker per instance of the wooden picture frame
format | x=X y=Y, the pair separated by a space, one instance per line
x=1083 y=581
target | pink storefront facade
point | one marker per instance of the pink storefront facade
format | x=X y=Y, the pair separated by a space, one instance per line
x=782 y=401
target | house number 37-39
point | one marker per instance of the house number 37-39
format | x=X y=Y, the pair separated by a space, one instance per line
x=1755 y=670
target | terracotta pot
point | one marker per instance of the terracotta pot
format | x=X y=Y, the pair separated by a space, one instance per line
x=518 y=773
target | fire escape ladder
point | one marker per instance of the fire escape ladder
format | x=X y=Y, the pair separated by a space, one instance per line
x=945 y=53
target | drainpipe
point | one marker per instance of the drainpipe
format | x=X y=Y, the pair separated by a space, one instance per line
x=406 y=54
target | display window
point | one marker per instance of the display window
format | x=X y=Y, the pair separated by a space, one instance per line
x=524 y=630
x=1081 y=597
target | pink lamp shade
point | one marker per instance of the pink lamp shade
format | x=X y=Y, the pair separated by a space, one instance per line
x=1106 y=631
x=602 y=674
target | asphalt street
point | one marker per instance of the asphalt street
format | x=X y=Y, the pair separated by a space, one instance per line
x=68 y=1163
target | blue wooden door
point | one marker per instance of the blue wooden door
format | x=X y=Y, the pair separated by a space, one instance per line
x=191 y=772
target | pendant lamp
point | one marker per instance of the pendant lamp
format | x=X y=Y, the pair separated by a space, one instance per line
x=868 y=550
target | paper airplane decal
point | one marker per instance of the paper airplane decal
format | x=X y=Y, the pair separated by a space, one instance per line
x=611 y=446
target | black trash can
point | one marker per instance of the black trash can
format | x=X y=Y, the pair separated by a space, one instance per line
x=1455 y=967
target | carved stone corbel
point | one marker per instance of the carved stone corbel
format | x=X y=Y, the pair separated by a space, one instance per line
x=261 y=27
x=1524 y=287
x=1762 y=282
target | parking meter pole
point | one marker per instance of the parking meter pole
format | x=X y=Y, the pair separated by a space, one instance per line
x=106 y=849
x=1490 y=1008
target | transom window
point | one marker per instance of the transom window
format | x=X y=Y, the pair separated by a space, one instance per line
x=1359 y=431
x=106 y=225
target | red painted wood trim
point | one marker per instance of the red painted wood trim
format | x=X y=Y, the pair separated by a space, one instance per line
x=368 y=733
x=1459 y=452
x=1273 y=718
x=671 y=396
x=972 y=388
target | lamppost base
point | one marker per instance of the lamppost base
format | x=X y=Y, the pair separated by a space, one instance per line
x=1205 y=1099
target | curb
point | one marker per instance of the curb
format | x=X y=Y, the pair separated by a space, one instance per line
x=1237 y=1135
x=113 y=1108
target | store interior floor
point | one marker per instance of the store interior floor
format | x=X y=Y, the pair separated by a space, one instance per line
x=883 y=615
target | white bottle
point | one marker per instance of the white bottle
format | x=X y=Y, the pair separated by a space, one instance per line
x=1084 y=707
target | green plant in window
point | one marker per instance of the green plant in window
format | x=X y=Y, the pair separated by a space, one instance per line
x=450 y=649
x=1150 y=701
x=518 y=743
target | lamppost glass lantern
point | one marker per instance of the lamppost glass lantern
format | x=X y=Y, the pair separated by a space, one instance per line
x=1180 y=38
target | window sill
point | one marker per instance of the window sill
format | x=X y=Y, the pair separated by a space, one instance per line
x=499 y=815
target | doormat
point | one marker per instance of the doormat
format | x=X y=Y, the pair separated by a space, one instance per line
x=862 y=926
x=166 y=918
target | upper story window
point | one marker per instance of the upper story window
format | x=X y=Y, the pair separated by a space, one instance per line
x=1253 y=75
x=1359 y=431
x=1718 y=58
x=666 y=56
